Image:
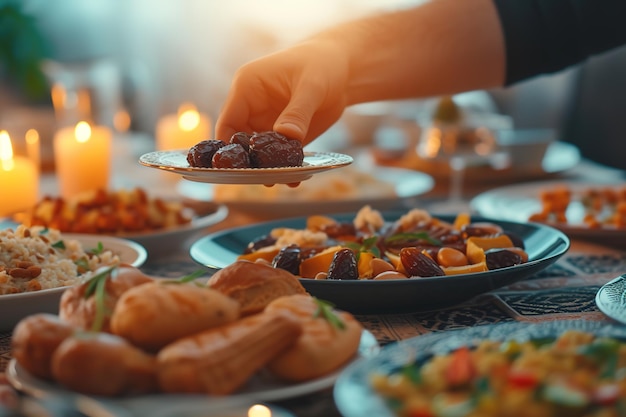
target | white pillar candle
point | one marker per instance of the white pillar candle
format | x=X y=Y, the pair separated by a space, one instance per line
x=182 y=130
x=82 y=155
x=19 y=182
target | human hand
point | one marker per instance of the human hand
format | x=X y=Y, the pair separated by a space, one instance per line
x=299 y=92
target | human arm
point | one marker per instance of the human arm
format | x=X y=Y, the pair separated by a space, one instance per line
x=439 y=47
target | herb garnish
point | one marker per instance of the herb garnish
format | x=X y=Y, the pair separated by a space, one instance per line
x=98 y=250
x=82 y=264
x=398 y=237
x=325 y=310
x=96 y=287
x=368 y=245
x=187 y=278
x=59 y=245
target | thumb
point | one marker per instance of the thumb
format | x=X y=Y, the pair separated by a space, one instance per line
x=295 y=119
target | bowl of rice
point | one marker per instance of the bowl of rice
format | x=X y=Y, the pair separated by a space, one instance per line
x=37 y=264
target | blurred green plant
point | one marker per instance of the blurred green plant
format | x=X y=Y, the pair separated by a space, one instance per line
x=22 y=48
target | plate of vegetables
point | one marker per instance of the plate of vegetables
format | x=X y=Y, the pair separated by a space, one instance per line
x=556 y=368
x=373 y=262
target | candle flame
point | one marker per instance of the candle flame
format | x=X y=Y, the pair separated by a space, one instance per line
x=82 y=131
x=6 y=151
x=259 y=410
x=188 y=117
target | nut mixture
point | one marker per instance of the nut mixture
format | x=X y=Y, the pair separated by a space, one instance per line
x=33 y=259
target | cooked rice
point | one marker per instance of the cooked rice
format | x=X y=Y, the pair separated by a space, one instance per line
x=62 y=261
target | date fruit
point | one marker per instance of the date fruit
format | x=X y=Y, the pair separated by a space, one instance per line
x=418 y=264
x=232 y=155
x=260 y=242
x=501 y=258
x=343 y=265
x=201 y=154
x=288 y=258
x=272 y=150
x=241 y=138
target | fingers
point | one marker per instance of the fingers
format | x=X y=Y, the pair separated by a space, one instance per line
x=295 y=119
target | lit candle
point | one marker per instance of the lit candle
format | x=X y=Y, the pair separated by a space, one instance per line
x=182 y=130
x=19 y=184
x=82 y=156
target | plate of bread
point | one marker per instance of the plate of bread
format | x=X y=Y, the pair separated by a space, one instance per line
x=155 y=346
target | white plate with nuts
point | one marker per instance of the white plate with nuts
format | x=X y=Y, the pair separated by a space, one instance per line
x=14 y=307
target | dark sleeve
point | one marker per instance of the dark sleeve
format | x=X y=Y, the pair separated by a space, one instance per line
x=545 y=36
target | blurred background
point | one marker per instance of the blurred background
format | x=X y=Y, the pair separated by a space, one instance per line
x=138 y=60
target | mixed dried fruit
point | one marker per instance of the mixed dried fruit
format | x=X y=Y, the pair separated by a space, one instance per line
x=258 y=150
x=369 y=247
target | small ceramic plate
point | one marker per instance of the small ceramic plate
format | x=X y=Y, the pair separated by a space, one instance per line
x=176 y=161
x=611 y=299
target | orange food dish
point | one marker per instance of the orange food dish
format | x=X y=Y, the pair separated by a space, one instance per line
x=107 y=212
x=603 y=206
x=416 y=245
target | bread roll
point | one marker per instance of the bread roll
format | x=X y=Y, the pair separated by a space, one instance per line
x=152 y=315
x=254 y=285
x=221 y=360
x=103 y=364
x=80 y=311
x=34 y=340
x=322 y=348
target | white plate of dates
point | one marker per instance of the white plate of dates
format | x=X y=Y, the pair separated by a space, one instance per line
x=259 y=158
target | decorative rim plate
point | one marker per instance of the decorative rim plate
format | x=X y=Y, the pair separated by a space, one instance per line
x=14 y=307
x=260 y=388
x=354 y=396
x=611 y=299
x=518 y=202
x=407 y=184
x=544 y=245
x=176 y=161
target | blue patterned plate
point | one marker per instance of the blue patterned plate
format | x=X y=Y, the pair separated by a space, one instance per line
x=355 y=397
